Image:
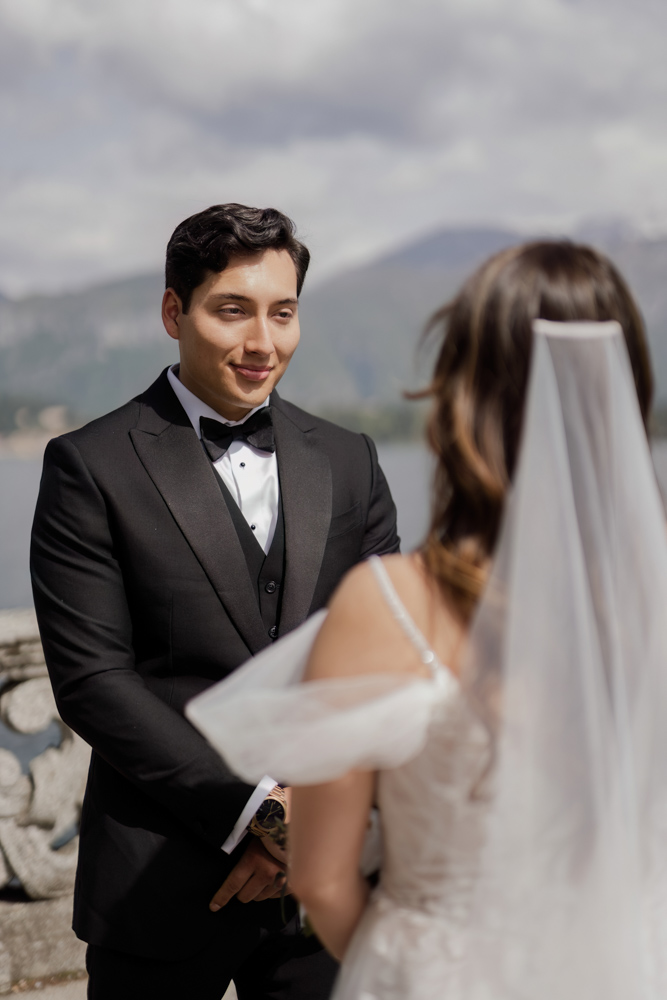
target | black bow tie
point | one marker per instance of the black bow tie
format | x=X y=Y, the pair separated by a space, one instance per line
x=257 y=430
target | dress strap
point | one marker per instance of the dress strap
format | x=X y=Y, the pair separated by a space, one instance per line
x=404 y=619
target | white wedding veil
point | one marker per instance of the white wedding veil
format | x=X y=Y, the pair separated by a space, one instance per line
x=567 y=662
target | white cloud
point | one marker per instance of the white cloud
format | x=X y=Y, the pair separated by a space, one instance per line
x=367 y=122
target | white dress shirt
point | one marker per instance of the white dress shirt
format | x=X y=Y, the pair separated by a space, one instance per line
x=251 y=476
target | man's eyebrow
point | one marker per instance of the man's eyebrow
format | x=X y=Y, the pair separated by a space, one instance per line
x=235 y=297
x=231 y=295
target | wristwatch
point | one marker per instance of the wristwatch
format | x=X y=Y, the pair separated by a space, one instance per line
x=270 y=819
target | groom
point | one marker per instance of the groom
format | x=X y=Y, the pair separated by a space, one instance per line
x=173 y=539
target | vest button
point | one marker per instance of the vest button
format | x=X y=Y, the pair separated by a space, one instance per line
x=270 y=588
x=273 y=631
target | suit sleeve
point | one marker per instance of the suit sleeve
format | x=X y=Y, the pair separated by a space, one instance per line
x=381 y=537
x=86 y=630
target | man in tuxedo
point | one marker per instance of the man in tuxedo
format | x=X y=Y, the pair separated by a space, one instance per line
x=173 y=539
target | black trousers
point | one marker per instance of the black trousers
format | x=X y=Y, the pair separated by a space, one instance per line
x=274 y=965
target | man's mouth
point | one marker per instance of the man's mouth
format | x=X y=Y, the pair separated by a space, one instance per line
x=254 y=374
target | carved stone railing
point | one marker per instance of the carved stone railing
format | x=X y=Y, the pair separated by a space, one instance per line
x=43 y=768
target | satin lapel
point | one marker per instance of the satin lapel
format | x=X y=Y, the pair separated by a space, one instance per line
x=305 y=487
x=176 y=463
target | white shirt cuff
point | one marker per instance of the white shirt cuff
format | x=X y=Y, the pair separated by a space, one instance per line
x=266 y=785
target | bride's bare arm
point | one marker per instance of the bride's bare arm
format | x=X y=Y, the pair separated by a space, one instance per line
x=327 y=833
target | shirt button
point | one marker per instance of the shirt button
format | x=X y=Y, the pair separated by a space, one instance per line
x=270 y=588
x=273 y=631
x=243 y=465
x=254 y=527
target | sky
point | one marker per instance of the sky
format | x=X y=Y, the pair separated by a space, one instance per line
x=370 y=122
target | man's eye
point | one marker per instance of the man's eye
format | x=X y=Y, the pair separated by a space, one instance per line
x=285 y=314
x=231 y=311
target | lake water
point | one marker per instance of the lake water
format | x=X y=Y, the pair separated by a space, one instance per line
x=407 y=467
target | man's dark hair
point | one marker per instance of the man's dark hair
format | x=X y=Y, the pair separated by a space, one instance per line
x=207 y=241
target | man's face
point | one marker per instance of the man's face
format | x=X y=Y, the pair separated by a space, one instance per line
x=239 y=333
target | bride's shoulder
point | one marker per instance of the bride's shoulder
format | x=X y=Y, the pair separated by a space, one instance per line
x=359 y=598
x=359 y=635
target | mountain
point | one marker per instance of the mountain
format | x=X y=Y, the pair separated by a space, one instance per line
x=91 y=350
x=94 y=349
x=363 y=327
x=361 y=330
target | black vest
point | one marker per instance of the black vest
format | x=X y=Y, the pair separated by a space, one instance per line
x=266 y=569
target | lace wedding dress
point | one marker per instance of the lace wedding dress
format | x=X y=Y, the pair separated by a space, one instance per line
x=412 y=938
x=545 y=875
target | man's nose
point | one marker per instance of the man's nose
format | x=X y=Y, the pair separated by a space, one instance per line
x=258 y=338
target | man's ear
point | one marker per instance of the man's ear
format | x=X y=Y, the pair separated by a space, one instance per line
x=172 y=310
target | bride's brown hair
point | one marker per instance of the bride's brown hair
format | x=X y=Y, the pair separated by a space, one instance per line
x=479 y=388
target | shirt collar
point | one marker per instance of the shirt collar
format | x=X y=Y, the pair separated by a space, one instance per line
x=195 y=408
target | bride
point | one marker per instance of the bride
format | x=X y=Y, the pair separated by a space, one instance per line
x=500 y=695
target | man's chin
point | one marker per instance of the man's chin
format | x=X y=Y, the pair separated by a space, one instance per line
x=242 y=402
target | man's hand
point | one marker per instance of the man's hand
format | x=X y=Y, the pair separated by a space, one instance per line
x=256 y=877
x=279 y=853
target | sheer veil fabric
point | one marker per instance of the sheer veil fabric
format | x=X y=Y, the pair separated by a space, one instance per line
x=568 y=660
x=566 y=665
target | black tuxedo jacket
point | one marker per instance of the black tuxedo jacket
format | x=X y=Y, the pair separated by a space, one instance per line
x=144 y=599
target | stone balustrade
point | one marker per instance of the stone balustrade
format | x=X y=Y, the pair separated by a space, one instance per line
x=43 y=768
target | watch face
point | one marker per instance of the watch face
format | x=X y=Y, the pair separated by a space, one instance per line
x=271 y=811
x=269 y=820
